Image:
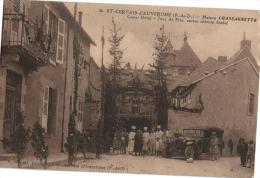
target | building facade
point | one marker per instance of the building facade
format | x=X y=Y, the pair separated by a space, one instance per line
x=221 y=93
x=135 y=101
x=38 y=67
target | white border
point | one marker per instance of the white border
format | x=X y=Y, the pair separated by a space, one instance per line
x=230 y=4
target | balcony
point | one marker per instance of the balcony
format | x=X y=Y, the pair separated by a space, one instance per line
x=26 y=38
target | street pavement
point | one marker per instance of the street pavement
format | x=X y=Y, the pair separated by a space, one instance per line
x=223 y=167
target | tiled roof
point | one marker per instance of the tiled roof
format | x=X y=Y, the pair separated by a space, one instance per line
x=185 y=56
x=244 y=53
x=211 y=66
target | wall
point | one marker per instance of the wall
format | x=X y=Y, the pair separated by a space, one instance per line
x=225 y=98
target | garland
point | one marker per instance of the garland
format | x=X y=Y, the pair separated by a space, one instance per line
x=192 y=110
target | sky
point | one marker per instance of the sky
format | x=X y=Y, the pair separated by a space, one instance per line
x=207 y=40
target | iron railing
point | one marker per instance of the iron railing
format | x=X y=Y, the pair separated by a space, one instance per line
x=20 y=34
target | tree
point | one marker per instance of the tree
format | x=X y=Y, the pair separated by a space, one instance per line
x=71 y=143
x=39 y=145
x=116 y=53
x=159 y=76
x=112 y=85
x=19 y=138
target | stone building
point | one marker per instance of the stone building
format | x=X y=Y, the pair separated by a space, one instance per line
x=180 y=62
x=220 y=92
x=37 y=67
x=135 y=100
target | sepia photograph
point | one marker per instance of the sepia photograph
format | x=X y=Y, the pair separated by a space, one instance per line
x=145 y=89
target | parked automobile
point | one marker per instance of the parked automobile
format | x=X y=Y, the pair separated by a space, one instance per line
x=192 y=143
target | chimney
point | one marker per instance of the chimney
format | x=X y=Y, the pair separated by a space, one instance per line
x=245 y=42
x=80 y=17
x=222 y=59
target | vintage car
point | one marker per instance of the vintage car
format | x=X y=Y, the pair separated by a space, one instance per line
x=192 y=143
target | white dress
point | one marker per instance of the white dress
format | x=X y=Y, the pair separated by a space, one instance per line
x=131 y=142
x=159 y=143
x=146 y=138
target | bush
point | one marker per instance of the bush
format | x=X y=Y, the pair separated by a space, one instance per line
x=71 y=143
x=19 y=138
x=39 y=145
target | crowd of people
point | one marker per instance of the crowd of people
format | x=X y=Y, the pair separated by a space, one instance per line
x=142 y=142
x=138 y=142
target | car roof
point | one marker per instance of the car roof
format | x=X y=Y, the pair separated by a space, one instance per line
x=205 y=128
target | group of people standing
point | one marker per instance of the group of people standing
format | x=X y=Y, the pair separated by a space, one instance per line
x=246 y=152
x=141 y=142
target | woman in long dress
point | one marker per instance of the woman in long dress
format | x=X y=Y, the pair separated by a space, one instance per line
x=131 y=140
x=146 y=138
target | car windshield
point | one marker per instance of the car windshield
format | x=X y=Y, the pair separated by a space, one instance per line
x=193 y=133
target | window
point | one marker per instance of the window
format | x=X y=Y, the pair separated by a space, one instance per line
x=251 y=103
x=136 y=105
x=56 y=29
x=80 y=115
x=49 y=109
x=60 y=45
x=53 y=32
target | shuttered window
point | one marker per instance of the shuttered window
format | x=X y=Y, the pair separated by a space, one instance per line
x=60 y=45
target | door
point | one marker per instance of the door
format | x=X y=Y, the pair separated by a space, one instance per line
x=12 y=102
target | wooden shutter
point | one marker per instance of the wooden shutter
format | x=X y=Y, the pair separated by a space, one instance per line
x=60 y=43
x=46 y=19
x=53 y=30
x=45 y=104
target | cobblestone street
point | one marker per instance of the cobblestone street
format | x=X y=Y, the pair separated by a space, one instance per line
x=224 y=167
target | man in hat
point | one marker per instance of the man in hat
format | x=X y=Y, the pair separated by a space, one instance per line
x=159 y=137
x=138 y=145
x=146 y=138
x=131 y=140
x=213 y=146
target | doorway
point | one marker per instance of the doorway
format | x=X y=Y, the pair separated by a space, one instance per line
x=12 y=102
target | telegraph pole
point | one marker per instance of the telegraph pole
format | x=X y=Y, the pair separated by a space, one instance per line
x=102 y=101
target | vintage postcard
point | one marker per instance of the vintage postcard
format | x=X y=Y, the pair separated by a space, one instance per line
x=129 y=88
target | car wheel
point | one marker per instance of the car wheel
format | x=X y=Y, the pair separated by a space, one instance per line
x=189 y=152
